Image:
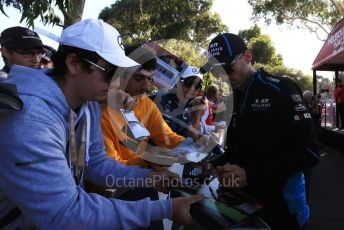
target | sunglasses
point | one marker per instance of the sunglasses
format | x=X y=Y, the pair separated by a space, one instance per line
x=219 y=69
x=109 y=72
x=30 y=53
x=188 y=83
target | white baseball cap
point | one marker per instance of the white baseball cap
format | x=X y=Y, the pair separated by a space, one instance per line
x=190 y=72
x=100 y=37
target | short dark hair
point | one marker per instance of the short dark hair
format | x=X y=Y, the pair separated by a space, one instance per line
x=59 y=58
x=211 y=91
x=142 y=55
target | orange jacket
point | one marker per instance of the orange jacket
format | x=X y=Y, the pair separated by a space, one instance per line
x=113 y=126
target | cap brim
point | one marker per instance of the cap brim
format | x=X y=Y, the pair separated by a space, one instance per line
x=212 y=61
x=119 y=60
x=24 y=45
x=46 y=58
x=193 y=75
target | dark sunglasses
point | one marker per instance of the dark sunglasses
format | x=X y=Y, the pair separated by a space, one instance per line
x=109 y=72
x=188 y=83
x=28 y=53
x=225 y=68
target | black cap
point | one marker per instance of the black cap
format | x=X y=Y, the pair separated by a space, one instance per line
x=48 y=52
x=20 y=38
x=225 y=47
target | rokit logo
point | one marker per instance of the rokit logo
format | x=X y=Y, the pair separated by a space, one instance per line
x=214 y=50
x=302 y=116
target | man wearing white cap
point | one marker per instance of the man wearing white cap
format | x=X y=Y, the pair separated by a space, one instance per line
x=176 y=103
x=55 y=143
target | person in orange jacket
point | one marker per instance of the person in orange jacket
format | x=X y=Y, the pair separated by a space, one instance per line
x=120 y=146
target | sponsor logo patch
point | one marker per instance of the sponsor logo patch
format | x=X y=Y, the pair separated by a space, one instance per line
x=296 y=98
x=273 y=79
x=299 y=108
x=261 y=104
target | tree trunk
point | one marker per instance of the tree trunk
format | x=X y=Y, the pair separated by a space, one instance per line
x=338 y=6
x=74 y=12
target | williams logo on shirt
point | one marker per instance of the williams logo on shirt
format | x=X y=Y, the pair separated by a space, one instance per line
x=261 y=105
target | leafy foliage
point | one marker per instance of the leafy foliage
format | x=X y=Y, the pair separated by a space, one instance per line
x=180 y=26
x=191 y=54
x=253 y=32
x=45 y=10
x=318 y=16
x=261 y=46
x=187 y=51
x=143 y=20
x=304 y=81
x=264 y=56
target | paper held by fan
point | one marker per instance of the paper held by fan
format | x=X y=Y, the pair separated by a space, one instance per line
x=181 y=155
x=135 y=127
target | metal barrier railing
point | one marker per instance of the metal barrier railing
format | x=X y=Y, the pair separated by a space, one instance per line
x=328 y=114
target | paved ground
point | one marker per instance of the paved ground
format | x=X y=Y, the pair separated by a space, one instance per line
x=327 y=192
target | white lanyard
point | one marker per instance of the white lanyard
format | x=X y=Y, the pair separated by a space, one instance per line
x=78 y=159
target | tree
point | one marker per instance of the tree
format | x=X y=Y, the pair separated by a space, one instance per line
x=318 y=16
x=261 y=47
x=253 y=32
x=192 y=55
x=263 y=51
x=304 y=81
x=264 y=56
x=45 y=10
x=186 y=51
x=144 y=20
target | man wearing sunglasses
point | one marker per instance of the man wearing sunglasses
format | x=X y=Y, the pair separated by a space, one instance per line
x=20 y=46
x=46 y=58
x=271 y=138
x=54 y=143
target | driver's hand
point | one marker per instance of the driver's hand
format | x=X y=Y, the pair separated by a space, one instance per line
x=181 y=209
x=232 y=176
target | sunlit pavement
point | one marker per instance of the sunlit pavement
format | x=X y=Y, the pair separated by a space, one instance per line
x=327 y=192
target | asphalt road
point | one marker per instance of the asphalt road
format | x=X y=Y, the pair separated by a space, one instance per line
x=327 y=192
